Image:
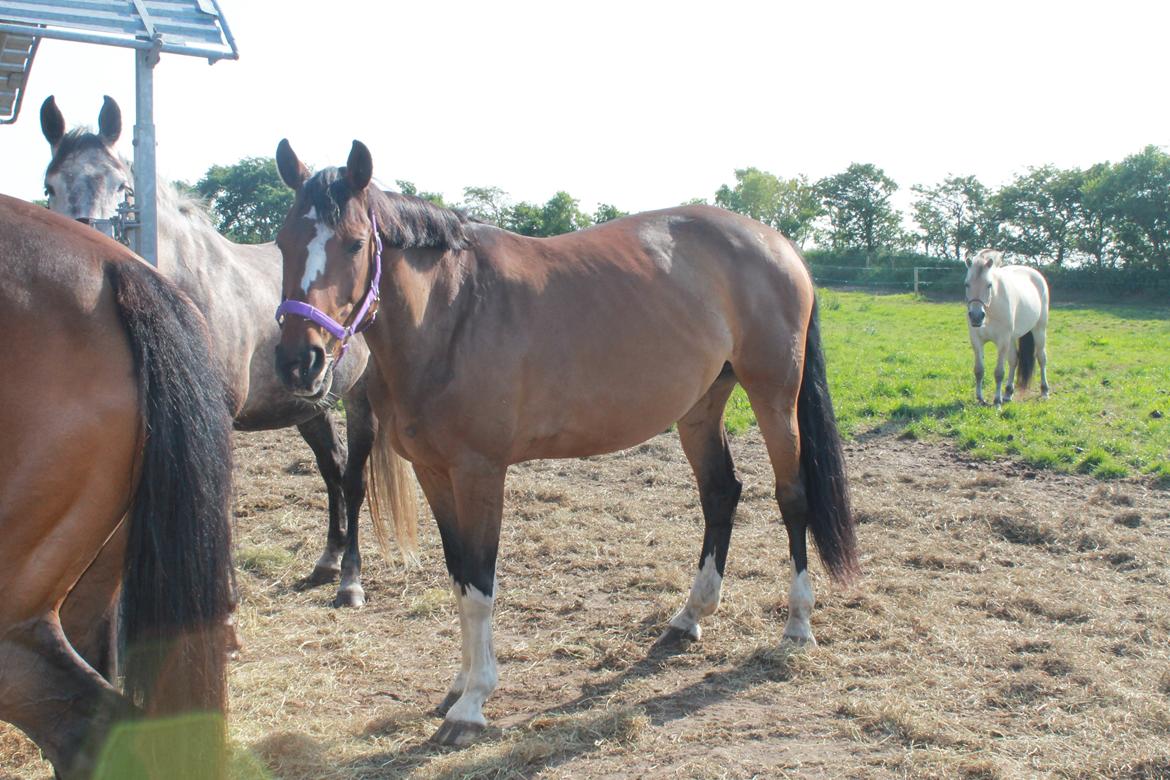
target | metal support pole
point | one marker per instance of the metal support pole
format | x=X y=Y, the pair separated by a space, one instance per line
x=916 y=281
x=145 y=184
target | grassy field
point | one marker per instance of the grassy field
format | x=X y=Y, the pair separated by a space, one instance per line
x=902 y=364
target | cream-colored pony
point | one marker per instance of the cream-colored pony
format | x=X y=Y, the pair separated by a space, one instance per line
x=1008 y=306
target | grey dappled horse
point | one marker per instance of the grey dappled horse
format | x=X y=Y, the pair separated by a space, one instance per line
x=236 y=287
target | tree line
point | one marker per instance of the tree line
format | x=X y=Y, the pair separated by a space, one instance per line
x=1107 y=216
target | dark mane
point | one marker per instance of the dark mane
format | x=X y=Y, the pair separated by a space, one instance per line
x=79 y=139
x=405 y=222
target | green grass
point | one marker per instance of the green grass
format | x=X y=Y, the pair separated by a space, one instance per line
x=904 y=365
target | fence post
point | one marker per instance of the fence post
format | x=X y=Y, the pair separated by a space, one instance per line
x=916 y=280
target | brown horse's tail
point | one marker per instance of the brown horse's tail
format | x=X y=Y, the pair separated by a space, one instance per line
x=1027 y=358
x=822 y=464
x=391 y=491
x=177 y=587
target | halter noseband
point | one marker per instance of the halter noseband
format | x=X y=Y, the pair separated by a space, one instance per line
x=341 y=332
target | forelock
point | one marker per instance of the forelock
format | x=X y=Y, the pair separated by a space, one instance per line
x=327 y=192
x=77 y=141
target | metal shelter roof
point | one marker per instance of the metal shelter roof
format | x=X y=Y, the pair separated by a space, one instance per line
x=193 y=27
x=16 y=56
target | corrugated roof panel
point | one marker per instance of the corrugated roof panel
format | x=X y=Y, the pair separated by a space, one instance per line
x=16 y=56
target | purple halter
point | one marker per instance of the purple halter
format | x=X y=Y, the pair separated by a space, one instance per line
x=335 y=328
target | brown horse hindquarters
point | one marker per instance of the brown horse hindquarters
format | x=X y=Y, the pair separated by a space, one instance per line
x=97 y=340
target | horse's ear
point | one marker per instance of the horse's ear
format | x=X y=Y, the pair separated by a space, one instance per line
x=994 y=259
x=110 y=121
x=52 y=122
x=292 y=170
x=359 y=168
x=967 y=259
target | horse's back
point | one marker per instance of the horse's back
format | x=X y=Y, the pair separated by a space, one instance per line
x=1029 y=291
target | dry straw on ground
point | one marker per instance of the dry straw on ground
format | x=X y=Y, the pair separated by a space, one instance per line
x=1009 y=624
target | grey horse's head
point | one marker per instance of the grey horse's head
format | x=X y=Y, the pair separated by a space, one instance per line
x=980 y=284
x=86 y=179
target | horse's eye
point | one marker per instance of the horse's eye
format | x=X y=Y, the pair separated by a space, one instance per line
x=989 y=287
x=50 y=191
x=355 y=246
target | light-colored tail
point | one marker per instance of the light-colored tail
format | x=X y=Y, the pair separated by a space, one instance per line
x=390 y=487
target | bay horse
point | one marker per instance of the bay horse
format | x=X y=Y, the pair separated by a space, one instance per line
x=236 y=286
x=492 y=348
x=116 y=441
x=1007 y=305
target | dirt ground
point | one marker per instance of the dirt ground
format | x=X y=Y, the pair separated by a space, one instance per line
x=1010 y=623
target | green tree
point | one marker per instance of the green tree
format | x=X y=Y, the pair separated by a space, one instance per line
x=957 y=212
x=561 y=214
x=1134 y=196
x=857 y=203
x=248 y=200
x=1042 y=212
x=789 y=205
x=408 y=188
x=489 y=204
x=606 y=212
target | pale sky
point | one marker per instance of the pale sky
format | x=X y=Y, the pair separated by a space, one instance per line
x=639 y=104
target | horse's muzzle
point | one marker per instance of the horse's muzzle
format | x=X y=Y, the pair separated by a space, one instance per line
x=302 y=371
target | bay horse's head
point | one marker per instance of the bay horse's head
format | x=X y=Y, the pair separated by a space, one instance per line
x=86 y=179
x=332 y=261
x=980 y=284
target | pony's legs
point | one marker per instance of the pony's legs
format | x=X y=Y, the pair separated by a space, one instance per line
x=87 y=616
x=1013 y=360
x=977 y=348
x=1040 y=336
x=359 y=430
x=704 y=440
x=1001 y=353
x=51 y=694
x=773 y=399
x=468 y=505
x=320 y=433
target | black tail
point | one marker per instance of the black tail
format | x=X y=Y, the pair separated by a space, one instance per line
x=1027 y=364
x=177 y=588
x=822 y=464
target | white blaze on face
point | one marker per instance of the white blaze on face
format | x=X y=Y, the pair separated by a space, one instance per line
x=315 y=262
x=475 y=609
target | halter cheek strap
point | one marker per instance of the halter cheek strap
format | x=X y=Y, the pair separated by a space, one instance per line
x=341 y=332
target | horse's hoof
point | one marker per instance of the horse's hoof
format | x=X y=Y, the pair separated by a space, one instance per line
x=352 y=596
x=457 y=733
x=322 y=575
x=674 y=639
x=800 y=641
x=447 y=703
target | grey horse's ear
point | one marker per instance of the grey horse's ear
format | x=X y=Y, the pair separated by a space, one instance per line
x=967 y=259
x=52 y=122
x=110 y=121
x=292 y=170
x=995 y=259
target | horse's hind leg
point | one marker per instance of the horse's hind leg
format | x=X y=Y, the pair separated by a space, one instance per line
x=359 y=431
x=54 y=697
x=88 y=614
x=320 y=433
x=1040 y=337
x=1013 y=361
x=773 y=399
x=704 y=440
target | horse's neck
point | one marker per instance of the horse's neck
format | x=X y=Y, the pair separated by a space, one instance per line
x=421 y=309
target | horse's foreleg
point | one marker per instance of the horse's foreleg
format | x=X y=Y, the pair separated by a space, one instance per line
x=468 y=505
x=977 y=348
x=1000 y=358
x=1013 y=360
x=704 y=440
x=321 y=435
x=359 y=430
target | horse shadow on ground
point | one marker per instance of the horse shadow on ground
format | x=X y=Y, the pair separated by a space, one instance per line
x=566 y=731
